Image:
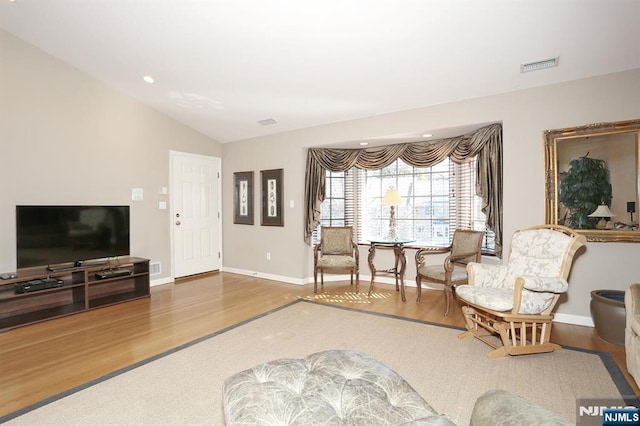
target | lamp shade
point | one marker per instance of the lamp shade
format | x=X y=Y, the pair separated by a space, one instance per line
x=602 y=211
x=391 y=198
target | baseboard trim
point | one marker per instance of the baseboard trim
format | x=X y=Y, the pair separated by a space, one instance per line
x=366 y=279
x=262 y=275
x=161 y=281
x=573 y=319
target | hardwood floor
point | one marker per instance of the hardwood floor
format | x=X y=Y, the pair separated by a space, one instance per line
x=42 y=360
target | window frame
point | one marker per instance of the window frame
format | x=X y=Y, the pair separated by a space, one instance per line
x=356 y=186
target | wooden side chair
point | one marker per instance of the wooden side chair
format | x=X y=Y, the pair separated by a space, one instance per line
x=515 y=301
x=466 y=247
x=336 y=251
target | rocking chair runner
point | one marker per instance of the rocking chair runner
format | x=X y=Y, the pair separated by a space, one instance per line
x=515 y=301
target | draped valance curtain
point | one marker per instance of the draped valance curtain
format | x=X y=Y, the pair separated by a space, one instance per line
x=485 y=143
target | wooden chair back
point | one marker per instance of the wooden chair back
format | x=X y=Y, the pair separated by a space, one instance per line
x=336 y=240
x=467 y=241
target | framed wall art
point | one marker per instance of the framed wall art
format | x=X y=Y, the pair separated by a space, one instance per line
x=272 y=197
x=243 y=198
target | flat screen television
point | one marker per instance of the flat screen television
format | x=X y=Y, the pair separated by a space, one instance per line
x=68 y=236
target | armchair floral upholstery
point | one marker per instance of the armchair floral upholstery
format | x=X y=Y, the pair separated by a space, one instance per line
x=515 y=301
x=336 y=251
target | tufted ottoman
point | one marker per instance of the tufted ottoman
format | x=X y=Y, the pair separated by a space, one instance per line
x=329 y=388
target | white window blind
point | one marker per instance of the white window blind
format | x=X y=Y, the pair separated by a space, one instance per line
x=435 y=202
x=338 y=208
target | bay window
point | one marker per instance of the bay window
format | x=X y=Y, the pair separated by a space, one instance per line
x=435 y=202
x=446 y=184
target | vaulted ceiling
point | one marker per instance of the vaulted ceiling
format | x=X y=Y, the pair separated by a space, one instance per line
x=222 y=66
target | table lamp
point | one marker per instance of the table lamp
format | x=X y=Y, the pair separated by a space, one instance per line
x=604 y=214
x=391 y=199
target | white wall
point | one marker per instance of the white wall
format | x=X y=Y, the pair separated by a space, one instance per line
x=524 y=114
x=66 y=138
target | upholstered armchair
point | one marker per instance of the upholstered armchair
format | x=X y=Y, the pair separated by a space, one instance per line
x=632 y=330
x=336 y=252
x=515 y=301
x=466 y=247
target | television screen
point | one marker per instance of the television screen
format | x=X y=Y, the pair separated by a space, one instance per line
x=55 y=235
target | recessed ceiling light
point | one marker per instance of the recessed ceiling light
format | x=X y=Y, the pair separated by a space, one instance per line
x=426 y=135
x=148 y=79
x=364 y=143
x=540 y=65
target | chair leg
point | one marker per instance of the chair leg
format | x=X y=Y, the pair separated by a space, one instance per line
x=357 y=280
x=351 y=272
x=498 y=353
x=468 y=313
x=447 y=299
x=419 y=285
x=315 y=280
x=322 y=279
x=465 y=334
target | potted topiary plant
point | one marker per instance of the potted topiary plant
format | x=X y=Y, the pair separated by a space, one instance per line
x=582 y=189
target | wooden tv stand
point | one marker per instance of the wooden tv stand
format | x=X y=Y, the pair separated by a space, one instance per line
x=81 y=290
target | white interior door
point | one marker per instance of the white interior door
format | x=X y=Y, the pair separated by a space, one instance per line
x=195 y=213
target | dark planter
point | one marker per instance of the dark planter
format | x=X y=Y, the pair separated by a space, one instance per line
x=608 y=313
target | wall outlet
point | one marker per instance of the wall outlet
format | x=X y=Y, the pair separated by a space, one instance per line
x=268 y=255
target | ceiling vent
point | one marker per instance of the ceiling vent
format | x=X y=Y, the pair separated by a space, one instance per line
x=540 y=65
x=267 y=122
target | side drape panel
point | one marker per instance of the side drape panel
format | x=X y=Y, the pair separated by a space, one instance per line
x=489 y=185
x=314 y=194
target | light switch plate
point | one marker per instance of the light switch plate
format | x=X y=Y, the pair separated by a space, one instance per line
x=137 y=194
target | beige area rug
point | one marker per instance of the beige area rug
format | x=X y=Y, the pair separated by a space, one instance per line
x=184 y=386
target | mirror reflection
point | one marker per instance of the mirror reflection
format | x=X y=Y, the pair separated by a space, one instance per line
x=593 y=184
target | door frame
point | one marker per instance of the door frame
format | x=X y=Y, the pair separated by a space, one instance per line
x=218 y=160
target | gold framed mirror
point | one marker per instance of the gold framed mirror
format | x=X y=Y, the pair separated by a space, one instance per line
x=592 y=180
